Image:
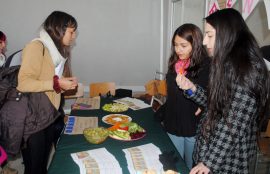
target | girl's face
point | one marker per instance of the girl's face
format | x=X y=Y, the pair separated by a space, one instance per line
x=209 y=38
x=182 y=47
x=2 y=46
x=69 y=36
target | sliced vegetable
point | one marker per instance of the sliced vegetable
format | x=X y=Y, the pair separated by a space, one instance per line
x=123 y=127
x=121 y=134
x=133 y=127
x=127 y=131
x=114 y=127
x=137 y=135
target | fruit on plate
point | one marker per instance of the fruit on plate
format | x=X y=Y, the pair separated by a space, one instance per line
x=122 y=134
x=126 y=131
x=115 y=107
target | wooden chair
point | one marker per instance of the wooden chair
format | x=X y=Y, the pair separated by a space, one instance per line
x=262 y=161
x=267 y=131
x=157 y=88
x=101 y=88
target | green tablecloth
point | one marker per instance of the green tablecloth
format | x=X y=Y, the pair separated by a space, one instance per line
x=62 y=162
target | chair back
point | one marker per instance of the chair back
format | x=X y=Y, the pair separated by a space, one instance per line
x=267 y=132
x=101 y=88
x=156 y=87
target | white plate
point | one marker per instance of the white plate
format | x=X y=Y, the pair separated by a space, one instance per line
x=122 y=139
x=115 y=118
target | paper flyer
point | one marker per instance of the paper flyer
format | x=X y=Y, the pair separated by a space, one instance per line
x=86 y=103
x=133 y=103
x=142 y=158
x=76 y=125
x=97 y=161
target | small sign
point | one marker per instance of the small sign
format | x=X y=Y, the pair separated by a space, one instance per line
x=76 y=124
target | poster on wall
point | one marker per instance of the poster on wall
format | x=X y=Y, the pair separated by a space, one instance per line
x=213 y=6
x=267 y=8
x=230 y=3
x=247 y=7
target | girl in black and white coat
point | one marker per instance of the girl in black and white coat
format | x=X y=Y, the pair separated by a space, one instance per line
x=236 y=96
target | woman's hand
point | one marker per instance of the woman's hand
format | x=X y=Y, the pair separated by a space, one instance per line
x=184 y=83
x=68 y=83
x=199 y=169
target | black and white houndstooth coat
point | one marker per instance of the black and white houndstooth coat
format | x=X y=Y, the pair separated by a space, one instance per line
x=233 y=142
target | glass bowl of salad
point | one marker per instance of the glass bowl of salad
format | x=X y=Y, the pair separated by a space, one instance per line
x=96 y=135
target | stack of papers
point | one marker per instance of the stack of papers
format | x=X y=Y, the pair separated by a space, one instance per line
x=76 y=125
x=98 y=161
x=133 y=103
x=86 y=103
x=143 y=158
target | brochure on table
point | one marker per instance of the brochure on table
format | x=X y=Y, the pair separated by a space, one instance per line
x=143 y=158
x=76 y=125
x=96 y=161
x=86 y=103
x=140 y=160
x=133 y=103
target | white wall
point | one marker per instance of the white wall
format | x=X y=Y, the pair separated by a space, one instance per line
x=194 y=12
x=118 y=40
x=178 y=12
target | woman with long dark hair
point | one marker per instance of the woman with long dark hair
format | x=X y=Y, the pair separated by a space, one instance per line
x=188 y=57
x=3 y=44
x=236 y=96
x=45 y=69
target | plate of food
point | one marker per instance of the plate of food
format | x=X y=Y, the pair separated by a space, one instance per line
x=115 y=107
x=116 y=118
x=129 y=131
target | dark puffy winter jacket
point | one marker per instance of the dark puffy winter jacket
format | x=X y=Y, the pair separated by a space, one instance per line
x=21 y=116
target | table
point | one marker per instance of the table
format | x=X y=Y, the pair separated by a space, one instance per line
x=62 y=162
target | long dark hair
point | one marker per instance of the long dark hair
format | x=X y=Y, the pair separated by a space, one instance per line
x=55 y=25
x=236 y=60
x=193 y=35
x=2 y=36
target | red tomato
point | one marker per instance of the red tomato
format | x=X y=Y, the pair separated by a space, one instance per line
x=123 y=128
